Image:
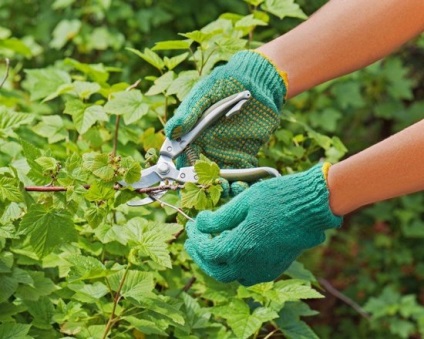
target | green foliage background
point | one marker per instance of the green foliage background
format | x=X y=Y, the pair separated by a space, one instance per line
x=82 y=264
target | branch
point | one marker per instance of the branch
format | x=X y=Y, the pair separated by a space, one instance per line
x=188 y=285
x=332 y=290
x=179 y=210
x=7 y=61
x=116 y=299
x=116 y=187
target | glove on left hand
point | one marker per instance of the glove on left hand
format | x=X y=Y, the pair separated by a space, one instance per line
x=256 y=236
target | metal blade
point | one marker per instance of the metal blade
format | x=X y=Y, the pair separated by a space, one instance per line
x=149 y=177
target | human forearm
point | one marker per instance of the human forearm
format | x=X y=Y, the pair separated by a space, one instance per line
x=343 y=36
x=391 y=168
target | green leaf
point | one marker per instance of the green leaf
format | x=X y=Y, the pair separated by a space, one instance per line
x=129 y=104
x=292 y=290
x=99 y=192
x=193 y=196
x=161 y=84
x=9 y=189
x=249 y=21
x=10 y=121
x=283 y=8
x=52 y=128
x=173 y=62
x=298 y=271
x=88 y=293
x=85 y=89
x=182 y=85
x=65 y=30
x=290 y=324
x=47 y=163
x=40 y=286
x=86 y=267
x=136 y=285
x=31 y=153
x=84 y=115
x=242 y=322
x=8 y=287
x=42 y=311
x=14 y=331
x=47 y=228
x=206 y=170
x=172 y=44
x=150 y=239
x=42 y=82
x=100 y=165
x=149 y=56
x=197 y=36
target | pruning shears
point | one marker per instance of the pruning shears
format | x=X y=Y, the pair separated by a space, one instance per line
x=165 y=171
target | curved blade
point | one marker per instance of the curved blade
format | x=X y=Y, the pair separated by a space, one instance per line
x=149 y=177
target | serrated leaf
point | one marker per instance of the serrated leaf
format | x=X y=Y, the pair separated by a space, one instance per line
x=182 y=85
x=172 y=44
x=292 y=290
x=10 y=121
x=47 y=228
x=42 y=312
x=129 y=104
x=52 y=128
x=161 y=84
x=151 y=57
x=9 y=190
x=290 y=324
x=193 y=196
x=83 y=115
x=214 y=192
x=99 y=192
x=8 y=287
x=47 y=163
x=86 y=267
x=14 y=331
x=85 y=89
x=99 y=165
x=40 y=286
x=42 y=82
x=239 y=318
x=206 y=170
x=283 y=8
x=249 y=21
x=64 y=31
x=173 y=62
x=136 y=285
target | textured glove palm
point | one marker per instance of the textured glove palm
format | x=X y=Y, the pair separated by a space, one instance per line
x=235 y=141
x=257 y=235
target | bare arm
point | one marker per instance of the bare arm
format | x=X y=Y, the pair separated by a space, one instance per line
x=391 y=168
x=343 y=36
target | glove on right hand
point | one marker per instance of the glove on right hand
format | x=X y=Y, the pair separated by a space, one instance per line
x=257 y=235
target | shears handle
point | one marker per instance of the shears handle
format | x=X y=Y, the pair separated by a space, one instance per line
x=228 y=106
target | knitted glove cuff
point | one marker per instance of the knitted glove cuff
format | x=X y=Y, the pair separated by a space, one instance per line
x=311 y=199
x=260 y=75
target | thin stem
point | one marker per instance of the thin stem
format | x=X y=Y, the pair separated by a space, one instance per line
x=7 y=61
x=112 y=319
x=332 y=290
x=194 y=60
x=118 y=119
x=269 y=335
x=188 y=285
x=179 y=210
x=116 y=187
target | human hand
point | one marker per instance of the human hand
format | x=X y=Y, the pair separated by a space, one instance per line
x=233 y=142
x=257 y=235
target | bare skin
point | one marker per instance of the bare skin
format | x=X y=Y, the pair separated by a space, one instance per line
x=344 y=36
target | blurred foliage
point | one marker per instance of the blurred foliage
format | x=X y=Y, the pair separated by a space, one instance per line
x=62 y=257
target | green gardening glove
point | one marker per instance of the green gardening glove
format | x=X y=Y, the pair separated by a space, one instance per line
x=257 y=235
x=235 y=141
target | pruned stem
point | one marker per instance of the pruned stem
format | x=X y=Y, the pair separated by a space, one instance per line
x=116 y=187
x=332 y=290
x=179 y=210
